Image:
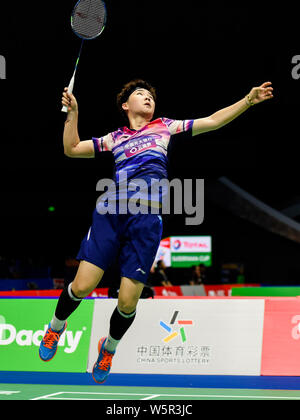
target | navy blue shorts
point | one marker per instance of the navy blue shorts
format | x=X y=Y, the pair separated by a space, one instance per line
x=133 y=239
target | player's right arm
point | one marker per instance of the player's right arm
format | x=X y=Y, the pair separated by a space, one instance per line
x=73 y=147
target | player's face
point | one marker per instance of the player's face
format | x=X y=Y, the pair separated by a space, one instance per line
x=141 y=102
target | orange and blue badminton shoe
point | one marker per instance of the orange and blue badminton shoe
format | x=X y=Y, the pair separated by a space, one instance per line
x=48 y=346
x=102 y=366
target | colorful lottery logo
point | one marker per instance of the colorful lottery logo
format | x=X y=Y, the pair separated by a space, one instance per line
x=174 y=334
x=177 y=244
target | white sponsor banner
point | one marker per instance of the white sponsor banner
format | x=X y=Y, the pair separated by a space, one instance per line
x=164 y=253
x=191 y=337
x=190 y=244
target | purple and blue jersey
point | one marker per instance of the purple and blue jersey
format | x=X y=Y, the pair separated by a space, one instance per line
x=142 y=154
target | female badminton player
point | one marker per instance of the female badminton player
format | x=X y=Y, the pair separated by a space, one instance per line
x=140 y=151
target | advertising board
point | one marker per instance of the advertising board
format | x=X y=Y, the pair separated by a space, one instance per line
x=23 y=323
x=281 y=341
x=205 y=337
x=185 y=251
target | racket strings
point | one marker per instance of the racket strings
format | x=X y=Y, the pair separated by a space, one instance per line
x=88 y=19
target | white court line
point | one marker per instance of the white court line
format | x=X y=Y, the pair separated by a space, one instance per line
x=162 y=395
x=98 y=393
x=90 y=393
x=85 y=399
x=9 y=392
x=46 y=396
x=150 y=397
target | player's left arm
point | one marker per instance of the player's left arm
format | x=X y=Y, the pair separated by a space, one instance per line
x=226 y=115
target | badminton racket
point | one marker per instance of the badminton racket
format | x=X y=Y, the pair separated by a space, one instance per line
x=88 y=21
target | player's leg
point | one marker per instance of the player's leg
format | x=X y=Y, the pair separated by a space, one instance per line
x=121 y=319
x=143 y=233
x=141 y=238
x=87 y=278
x=124 y=314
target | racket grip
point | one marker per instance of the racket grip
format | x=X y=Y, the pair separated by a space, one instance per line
x=70 y=90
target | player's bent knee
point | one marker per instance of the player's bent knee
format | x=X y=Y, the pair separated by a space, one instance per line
x=129 y=294
x=127 y=307
x=80 y=292
x=86 y=280
x=82 y=289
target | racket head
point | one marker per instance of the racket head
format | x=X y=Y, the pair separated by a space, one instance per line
x=88 y=18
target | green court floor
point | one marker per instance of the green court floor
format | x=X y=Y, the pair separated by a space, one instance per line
x=68 y=392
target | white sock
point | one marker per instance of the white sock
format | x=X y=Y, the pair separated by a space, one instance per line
x=57 y=324
x=111 y=344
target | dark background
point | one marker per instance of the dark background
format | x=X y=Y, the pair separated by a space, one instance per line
x=200 y=57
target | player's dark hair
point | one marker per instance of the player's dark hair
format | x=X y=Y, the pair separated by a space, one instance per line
x=129 y=88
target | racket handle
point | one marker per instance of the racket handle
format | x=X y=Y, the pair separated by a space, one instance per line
x=70 y=90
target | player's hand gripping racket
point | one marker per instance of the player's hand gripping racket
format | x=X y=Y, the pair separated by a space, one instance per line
x=88 y=21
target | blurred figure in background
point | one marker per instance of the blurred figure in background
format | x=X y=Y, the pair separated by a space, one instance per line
x=161 y=274
x=198 y=275
x=158 y=276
